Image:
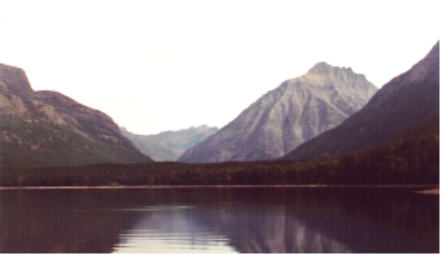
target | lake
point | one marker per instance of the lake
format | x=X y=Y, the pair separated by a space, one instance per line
x=219 y=220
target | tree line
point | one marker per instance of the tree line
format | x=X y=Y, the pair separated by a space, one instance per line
x=411 y=159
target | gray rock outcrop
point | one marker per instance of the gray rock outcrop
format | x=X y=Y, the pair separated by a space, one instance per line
x=407 y=105
x=282 y=119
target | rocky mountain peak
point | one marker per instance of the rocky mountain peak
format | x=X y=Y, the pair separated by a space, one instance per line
x=324 y=74
x=409 y=103
x=325 y=68
x=298 y=110
x=15 y=78
x=47 y=128
x=321 y=67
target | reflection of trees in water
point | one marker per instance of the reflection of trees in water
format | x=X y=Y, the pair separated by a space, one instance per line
x=373 y=220
x=327 y=221
x=74 y=221
x=62 y=221
x=255 y=220
x=261 y=221
x=275 y=230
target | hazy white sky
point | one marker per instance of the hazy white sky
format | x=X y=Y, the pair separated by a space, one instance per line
x=165 y=65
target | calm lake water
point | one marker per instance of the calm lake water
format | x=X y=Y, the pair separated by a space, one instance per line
x=219 y=220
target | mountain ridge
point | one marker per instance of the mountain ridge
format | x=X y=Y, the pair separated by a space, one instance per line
x=284 y=117
x=169 y=145
x=47 y=128
x=405 y=100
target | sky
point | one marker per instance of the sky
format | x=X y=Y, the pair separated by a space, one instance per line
x=166 y=65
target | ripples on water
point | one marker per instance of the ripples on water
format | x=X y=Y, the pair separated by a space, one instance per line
x=178 y=234
x=218 y=220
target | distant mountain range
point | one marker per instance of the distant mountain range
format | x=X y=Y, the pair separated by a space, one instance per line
x=46 y=128
x=169 y=145
x=327 y=112
x=298 y=110
x=407 y=105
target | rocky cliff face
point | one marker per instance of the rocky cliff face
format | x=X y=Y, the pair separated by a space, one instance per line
x=298 y=110
x=169 y=145
x=406 y=103
x=46 y=128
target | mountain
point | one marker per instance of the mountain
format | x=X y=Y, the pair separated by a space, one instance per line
x=46 y=128
x=408 y=104
x=298 y=110
x=169 y=145
x=150 y=147
x=181 y=140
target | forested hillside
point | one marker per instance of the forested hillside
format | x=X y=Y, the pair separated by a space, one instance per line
x=412 y=158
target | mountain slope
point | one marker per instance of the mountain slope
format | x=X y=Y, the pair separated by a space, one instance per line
x=403 y=103
x=169 y=145
x=152 y=148
x=181 y=140
x=46 y=128
x=296 y=111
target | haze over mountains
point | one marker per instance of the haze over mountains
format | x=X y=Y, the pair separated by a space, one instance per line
x=169 y=145
x=407 y=105
x=46 y=128
x=298 y=110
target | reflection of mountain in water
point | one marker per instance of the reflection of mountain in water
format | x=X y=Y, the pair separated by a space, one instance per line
x=330 y=221
x=172 y=228
x=275 y=230
x=258 y=220
x=62 y=221
x=373 y=220
x=324 y=220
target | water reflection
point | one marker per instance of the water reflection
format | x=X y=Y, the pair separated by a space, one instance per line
x=330 y=221
x=227 y=220
x=172 y=229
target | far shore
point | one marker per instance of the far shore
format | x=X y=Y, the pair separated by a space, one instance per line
x=422 y=188
x=434 y=191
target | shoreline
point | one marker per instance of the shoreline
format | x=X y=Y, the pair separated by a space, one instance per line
x=434 y=191
x=425 y=188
